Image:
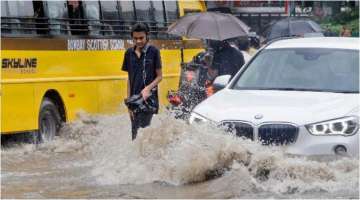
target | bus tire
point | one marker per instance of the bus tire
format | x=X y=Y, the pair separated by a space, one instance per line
x=49 y=121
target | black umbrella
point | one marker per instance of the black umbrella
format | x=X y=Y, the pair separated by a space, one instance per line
x=291 y=27
x=209 y=25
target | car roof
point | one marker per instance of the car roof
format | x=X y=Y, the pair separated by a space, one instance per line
x=317 y=42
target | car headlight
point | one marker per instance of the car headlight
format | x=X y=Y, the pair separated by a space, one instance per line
x=194 y=117
x=344 y=126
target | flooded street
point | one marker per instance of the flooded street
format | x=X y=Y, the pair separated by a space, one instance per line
x=95 y=158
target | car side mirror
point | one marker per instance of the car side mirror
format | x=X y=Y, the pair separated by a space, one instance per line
x=221 y=81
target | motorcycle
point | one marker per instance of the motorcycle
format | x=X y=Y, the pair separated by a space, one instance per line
x=193 y=88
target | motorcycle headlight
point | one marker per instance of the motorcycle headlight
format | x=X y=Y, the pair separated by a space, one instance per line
x=196 y=118
x=344 y=126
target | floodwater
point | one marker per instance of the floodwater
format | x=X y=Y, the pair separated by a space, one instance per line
x=95 y=158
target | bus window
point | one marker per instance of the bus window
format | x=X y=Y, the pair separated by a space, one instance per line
x=143 y=11
x=92 y=14
x=110 y=16
x=78 y=25
x=171 y=11
x=127 y=15
x=4 y=9
x=5 y=22
x=41 y=21
x=56 y=11
x=144 y=14
x=171 y=15
x=21 y=15
x=159 y=17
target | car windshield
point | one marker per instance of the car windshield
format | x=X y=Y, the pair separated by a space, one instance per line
x=302 y=69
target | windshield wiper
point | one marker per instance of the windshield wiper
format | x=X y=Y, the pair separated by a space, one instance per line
x=289 y=89
x=345 y=92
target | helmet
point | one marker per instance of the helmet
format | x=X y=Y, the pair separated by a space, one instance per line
x=137 y=104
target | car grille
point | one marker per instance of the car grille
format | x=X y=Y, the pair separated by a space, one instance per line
x=275 y=134
x=278 y=134
x=241 y=129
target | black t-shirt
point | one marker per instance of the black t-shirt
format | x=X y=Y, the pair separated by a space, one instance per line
x=150 y=56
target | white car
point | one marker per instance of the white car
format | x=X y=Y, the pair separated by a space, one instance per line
x=302 y=93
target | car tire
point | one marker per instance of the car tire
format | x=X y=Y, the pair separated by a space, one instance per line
x=49 y=121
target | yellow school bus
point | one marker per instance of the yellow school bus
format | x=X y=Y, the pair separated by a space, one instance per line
x=62 y=57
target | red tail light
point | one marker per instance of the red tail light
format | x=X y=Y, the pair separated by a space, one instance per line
x=209 y=88
x=175 y=100
x=210 y=91
x=189 y=76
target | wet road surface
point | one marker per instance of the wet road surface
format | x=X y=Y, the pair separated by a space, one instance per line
x=95 y=158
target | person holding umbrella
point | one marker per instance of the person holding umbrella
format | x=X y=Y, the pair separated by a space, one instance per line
x=218 y=28
x=221 y=57
x=228 y=60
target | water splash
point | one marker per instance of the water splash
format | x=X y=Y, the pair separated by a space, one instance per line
x=171 y=151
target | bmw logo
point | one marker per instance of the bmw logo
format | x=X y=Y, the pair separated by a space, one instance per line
x=259 y=116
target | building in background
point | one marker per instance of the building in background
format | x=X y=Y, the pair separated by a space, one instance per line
x=259 y=14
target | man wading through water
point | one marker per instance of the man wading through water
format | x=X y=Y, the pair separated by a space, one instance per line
x=143 y=64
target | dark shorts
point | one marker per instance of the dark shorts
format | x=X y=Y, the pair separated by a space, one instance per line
x=140 y=120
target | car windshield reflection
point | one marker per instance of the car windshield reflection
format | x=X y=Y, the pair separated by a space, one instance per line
x=302 y=69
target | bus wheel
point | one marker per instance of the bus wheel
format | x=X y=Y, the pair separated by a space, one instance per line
x=49 y=121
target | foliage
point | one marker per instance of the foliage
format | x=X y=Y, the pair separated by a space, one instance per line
x=349 y=19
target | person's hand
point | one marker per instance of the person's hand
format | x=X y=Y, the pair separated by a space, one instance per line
x=145 y=93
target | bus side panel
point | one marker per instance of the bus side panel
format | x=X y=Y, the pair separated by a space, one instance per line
x=111 y=91
x=190 y=53
x=82 y=96
x=77 y=96
x=191 y=5
x=111 y=95
x=171 y=60
x=94 y=85
x=91 y=81
x=17 y=103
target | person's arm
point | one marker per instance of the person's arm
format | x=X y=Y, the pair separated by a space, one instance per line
x=212 y=74
x=146 y=92
x=125 y=68
x=240 y=60
x=213 y=70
